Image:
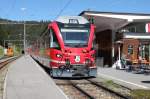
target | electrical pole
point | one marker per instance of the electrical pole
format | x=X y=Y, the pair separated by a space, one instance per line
x=24 y=31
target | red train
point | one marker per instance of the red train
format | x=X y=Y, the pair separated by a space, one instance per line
x=67 y=48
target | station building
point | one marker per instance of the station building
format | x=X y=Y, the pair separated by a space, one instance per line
x=130 y=31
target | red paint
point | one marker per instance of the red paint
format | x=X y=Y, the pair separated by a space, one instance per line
x=70 y=53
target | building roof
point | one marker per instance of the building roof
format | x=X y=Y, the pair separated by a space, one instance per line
x=114 y=20
x=119 y=13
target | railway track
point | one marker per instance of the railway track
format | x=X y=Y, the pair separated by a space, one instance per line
x=3 y=71
x=89 y=89
x=6 y=61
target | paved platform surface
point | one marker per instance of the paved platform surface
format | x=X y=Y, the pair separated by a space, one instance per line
x=129 y=79
x=26 y=80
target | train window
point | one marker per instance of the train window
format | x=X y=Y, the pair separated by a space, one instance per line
x=53 y=41
x=75 y=37
x=130 y=49
x=47 y=40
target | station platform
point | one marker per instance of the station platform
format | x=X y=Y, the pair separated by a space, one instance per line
x=26 y=80
x=128 y=79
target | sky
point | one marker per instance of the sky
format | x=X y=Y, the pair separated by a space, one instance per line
x=51 y=9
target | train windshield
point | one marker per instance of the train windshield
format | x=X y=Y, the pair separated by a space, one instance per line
x=75 y=37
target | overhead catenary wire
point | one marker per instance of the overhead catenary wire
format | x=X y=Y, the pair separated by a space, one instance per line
x=9 y=11
x=66 y=5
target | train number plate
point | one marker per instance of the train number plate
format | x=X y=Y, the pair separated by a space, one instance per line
x=77 y=58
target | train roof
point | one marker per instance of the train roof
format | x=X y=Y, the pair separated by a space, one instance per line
x=72 y=20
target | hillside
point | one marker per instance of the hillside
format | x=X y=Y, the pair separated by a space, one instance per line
x=15 y=31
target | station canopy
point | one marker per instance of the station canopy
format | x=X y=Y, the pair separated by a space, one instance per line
x=114 y=21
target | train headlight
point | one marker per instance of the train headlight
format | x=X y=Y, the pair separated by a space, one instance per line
x=84 y=51
x=58 y=55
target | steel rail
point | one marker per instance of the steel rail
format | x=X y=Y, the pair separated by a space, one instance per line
x=81 y=90
x=5 y=62
x=124 y=87
x=107 y=89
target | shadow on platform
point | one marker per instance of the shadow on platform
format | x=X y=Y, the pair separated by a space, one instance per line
x=146 y=81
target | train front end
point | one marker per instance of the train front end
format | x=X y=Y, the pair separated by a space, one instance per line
x=73 y=54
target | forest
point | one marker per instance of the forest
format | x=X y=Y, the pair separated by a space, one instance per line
x=14 y=30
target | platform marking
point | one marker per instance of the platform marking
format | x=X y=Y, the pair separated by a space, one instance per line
x=5 y=83
x=4 y=86
x=125 y=81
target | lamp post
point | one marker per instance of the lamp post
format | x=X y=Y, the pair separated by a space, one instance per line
x=119 y=64
x=24 y=40
x=24 y=31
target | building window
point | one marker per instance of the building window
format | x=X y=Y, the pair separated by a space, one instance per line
x=132 y=29
x=130 y=49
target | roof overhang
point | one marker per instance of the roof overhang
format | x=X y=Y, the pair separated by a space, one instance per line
x=114 y=21
x=143 y=36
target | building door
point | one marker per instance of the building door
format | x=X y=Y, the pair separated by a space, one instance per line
x=104 y=41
